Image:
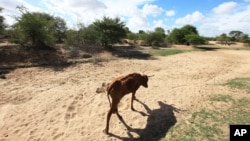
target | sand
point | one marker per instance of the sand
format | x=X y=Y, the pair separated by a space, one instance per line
x=45 y=104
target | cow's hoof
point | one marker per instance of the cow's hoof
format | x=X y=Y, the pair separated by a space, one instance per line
x=105 y=131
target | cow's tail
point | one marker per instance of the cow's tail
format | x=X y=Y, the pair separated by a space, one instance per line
x=115 y=86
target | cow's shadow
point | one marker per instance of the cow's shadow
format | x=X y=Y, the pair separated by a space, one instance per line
x=158 y=123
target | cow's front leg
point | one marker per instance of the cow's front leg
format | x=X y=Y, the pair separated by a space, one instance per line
x=132 y=100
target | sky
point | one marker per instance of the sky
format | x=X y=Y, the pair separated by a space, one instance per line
x=210 y=17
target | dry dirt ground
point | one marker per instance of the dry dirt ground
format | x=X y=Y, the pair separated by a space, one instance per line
x=45 y=104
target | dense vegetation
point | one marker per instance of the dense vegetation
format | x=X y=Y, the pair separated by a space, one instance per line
x=2 y=25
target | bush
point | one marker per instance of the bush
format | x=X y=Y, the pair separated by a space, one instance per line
x=156 y=37
x=195 y=39
x=37 y=30
x=155 y=44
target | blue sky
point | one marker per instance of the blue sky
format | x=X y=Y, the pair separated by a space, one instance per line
x=210 y=17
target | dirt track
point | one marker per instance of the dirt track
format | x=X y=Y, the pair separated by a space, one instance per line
x=44 y=104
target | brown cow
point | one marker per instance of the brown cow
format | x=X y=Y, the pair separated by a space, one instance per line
x=120 y=87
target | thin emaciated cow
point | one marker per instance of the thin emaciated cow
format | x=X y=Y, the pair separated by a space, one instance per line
x=120 y=87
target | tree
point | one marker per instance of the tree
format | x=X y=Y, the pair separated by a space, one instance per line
x=142 y=35
x=195 y=39
x=132 y=36
x=60 y=28
x=2 y=24
x=71 y=37
x=34 y=29
x=235 y=35
x=154 y=37
x=141 y=32
x=189 y=29
x=223 y=38
x=160 y=30
x=110 y=30
x=244 y=38
x=82 y=37
x=88 y=35
x=178 y=36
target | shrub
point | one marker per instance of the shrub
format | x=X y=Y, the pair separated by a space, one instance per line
x=155 y=44
x=195 y=39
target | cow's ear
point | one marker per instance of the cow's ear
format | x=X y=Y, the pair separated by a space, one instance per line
x=130 y=83
x=145 y=78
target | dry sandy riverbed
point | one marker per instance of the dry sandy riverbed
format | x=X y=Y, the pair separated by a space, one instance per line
x=44 y=104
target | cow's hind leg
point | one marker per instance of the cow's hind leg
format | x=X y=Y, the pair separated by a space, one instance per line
x=117 y=113
x=106 y=130
x=112 y=110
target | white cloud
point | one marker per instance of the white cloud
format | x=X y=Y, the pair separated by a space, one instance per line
x=87 y=4
x=190 y=18
x=170 y=13
x=149 y=9
x=137 y=22
x=218 y=24
x=138 y=14
x=225 y=7
x=86 y=11
x=160 y=23
x=83 y=11
x=10 y=9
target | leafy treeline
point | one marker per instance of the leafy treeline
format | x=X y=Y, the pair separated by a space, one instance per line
x=237 y=36
x=2 y=25
x=37 y=30
x=188 y=34
x=42 y=30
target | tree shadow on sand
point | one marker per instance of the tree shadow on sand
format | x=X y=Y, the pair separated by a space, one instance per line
x=12 y=57
x=130 y=52
x=158 y=123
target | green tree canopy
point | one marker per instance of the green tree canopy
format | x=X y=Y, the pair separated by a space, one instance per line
x=142 y=35
x=160 y=30
x=88 y=35
x=34 y=29
x=195 y=39
x=189 y=29
x=179 y=35
x=244 y=38
x=223 y=37
x=155 y=37
x=60 y=28
x=132 y=36
x=110 y=30
x=235 y=35
x=2 y=24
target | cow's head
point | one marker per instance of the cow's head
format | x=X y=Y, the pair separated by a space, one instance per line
x=144 y=81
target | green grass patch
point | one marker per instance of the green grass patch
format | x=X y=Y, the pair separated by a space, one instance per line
x=222 y=98
x=240 y=83
x=167 y=52
x=211 y=123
